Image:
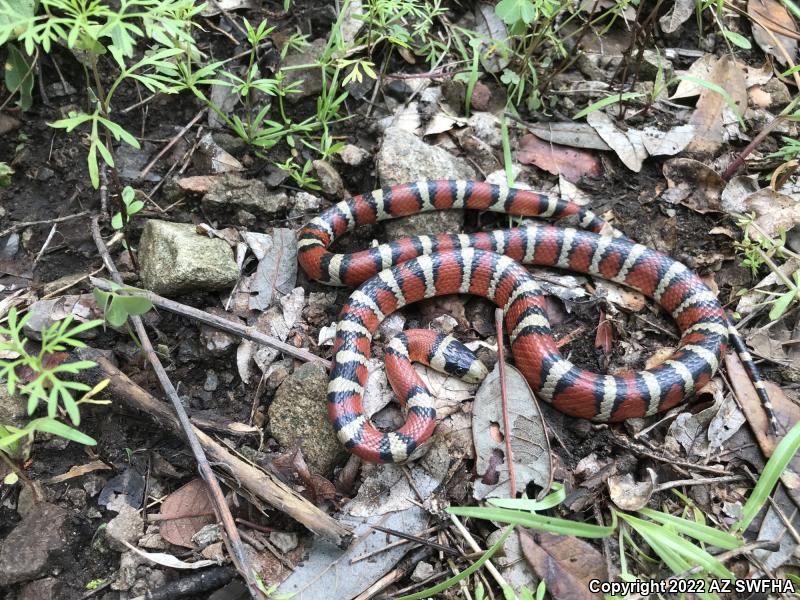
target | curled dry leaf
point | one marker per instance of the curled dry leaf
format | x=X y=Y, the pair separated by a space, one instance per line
x=528 y=439
x=692 y=184
x=773 y=15
x=629 y=494
x=736 y=191
x=168 y=560
x=565 y=563
x=556 y=159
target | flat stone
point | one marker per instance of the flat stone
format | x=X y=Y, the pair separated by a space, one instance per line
x=175 y=259
x=41 y=589
x=298 y=413
x=329 y=179
x=231 y=194
x=404 y=158
x=27 y=550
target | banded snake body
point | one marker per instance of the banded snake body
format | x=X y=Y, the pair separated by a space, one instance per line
x=487 y=264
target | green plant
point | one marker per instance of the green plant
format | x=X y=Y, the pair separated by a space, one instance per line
x=131 y=206
x=678 y=541
x=45 y=374
x=117 y=307
x=5 y=174
x=39 y=377
x=759 y=249
x=92 y=28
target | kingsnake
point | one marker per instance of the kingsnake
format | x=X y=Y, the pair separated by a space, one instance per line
x=488 y=264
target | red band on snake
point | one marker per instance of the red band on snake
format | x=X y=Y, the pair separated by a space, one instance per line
x=488 y=264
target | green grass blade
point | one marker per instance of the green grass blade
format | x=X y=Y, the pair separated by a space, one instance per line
x=700 y=532
x=542 y=523
x=774 y=468
x=616 y=98
x=463 y=574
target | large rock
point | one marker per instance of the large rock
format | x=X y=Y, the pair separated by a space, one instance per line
x=298 y=413
x=28 y=549
x=175 y=259
x=310 y=79
x=232 y=195
x=404 y=157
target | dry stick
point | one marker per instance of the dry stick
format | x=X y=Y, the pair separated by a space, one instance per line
x=501 y=363
x=171 y=143
x=248 y=333
x=705 y=480
x=24 y=224
x=206 y=473
x=417 y=539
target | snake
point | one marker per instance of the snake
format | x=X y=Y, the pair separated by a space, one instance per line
x=490 y=264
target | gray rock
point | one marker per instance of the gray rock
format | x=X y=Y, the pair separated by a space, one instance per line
x=353 y=155
x=486 y=128
x=651 y=63
x=283 y=541
x=422 y=571
x=305 y=202
x=12 y=408
x=216 y=342
x=404 y=157
x=311 y=78
x=42 y=589
x=207 y=535
x=299 y=414
x=174 y=259
x=232 y=194
x=212 y=381
x=127 y=526
x=329 y=179
x=28 y=549
x=779 y=93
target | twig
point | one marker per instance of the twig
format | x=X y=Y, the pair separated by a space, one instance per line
x=248 y=333
x=24 y=224
x=45 y=245
x=417 y=539
x=501 y=363
x=204 y=468
x=389 y=546
x=171 y=143
x=501 y=581
x=705 y=480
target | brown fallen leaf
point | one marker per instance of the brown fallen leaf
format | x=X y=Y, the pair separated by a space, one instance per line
x=786 y=411
x=78 y=470
x=565 y=563
x=558 y=160
x=708 y=116
x=184 y=512
x=692 y=184
x=773 y=15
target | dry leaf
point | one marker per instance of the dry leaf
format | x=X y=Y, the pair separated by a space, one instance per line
x=169 y=561
x=708 y=117
x=566 y=564
x=775 y=212
x=629 y=494
x=79 y=470
x=692 y=184
x=569 y=133
x=681 y=11
x=528 y=442
x=774 y=15
x=628 y=145
x=277 y=268
x=186 y=511
x=557 y=159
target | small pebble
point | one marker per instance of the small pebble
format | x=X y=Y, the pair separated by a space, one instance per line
x=422 y=571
